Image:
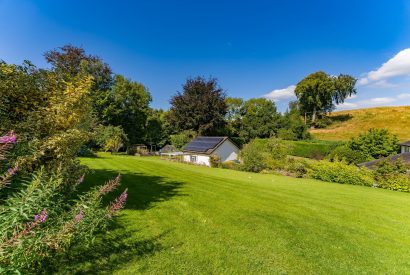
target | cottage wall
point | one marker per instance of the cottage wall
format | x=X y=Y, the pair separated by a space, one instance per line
x=227 y=151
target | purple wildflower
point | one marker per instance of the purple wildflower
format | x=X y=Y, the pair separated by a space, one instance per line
x=79 y=216
x=10 y=138
x=12 y=171
x=41 y=217
x=110 y=185
x=118 y=203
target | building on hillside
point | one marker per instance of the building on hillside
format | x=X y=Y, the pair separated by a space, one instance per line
x=200 y=150
x=405 y=146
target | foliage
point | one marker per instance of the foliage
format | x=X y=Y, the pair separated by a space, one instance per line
x=313 y=149
x=296 y=167
x=347 y=154
x=393 y=175
x=259 y=119
x=181 y=139
x=215 y=161
x=156 y=132
x=319 y=92
x=200 y=107
x=341 y=172
x=110 y=138
x=376 y=143
x=234 y=115
x=129 y=108
x=259 y=155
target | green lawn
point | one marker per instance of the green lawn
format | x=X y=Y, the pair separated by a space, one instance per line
x=183 y=219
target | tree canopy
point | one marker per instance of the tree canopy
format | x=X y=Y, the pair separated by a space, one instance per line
x=199 y=107
x=319 y=92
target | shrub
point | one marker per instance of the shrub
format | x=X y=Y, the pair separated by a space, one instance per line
x=253 y=156
x=215 y=161
x=347 y=154
x=181 y=139
x=259 y=154
x=315 y=149
x=110 y=138
x=231 y=165
x=286 y=134
x=393 y=175
x=297 y=168
x=376 y=143
x=340 y=172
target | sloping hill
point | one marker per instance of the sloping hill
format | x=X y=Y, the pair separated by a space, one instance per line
x=185 y=219
x=347 y=124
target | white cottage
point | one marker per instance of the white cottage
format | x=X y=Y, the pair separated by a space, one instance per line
x=200 y=150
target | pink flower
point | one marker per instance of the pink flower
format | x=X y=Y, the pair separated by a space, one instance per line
x=110 y=185
x=79 y=216
x=118 y=204
x=12 y=171
x=80 y=180
x=9 y=138
x=41 y=217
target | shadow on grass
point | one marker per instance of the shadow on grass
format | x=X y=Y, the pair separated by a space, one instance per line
x=341 y=118
x=143 y=190
x=120 y=244
x=112 y=250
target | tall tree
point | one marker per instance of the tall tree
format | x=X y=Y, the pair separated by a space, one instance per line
x=259 y=119
x=233 y=115
x=69 y=62
x=129 y=109
x=319 y=92
x=200 y=107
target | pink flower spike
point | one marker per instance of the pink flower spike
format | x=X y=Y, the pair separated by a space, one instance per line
x=10 y=138
x=41 y=217
x=79 y=216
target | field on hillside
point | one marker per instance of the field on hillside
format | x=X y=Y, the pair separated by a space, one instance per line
x=185 y=219
x=348 y=124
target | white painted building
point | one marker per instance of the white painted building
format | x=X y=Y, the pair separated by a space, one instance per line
x=200 y=150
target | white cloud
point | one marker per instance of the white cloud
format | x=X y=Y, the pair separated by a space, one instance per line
x=399 y=65
x=403 y=96
x=282 y=94
x=379 y=100
x=347 y=106
x=351 y=97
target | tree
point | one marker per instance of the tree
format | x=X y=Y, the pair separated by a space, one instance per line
x=199 y=107
x=292 y=126
x=110 y=138
x=233 y=116
x=69 y=62
x=155 y=132
x=129 y=108
x=259 y=119
x=319 y=92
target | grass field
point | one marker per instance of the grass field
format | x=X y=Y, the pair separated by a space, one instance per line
x=184 y=219
x=348 y=124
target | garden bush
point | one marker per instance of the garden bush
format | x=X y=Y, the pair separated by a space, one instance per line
x=341 y=172
x=393 y=175
x=215 y=161
x=296 y=168
x=347 y=154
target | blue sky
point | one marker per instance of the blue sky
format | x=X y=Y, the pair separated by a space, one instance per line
x=255 y=48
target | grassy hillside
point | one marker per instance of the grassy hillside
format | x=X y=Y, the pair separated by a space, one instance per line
x=348 y=124
x=185 y=219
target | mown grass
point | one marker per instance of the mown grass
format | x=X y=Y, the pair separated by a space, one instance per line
x=184 y=219
x=348 y=124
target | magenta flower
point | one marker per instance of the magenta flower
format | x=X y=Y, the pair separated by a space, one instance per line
x=41 y=217
x=10 y=138
x=110 y=185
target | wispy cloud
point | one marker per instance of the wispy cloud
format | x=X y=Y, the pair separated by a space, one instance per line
x=372 y=102
x=282 y=94
x=399 y=65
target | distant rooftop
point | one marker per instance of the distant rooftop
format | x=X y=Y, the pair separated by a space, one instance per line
x=403 y=156
x=204 y=145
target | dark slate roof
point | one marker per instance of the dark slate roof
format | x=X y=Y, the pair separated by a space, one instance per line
x=406 y=143
x=204 y=145
x=403 y=156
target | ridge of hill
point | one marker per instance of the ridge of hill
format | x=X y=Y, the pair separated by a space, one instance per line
x=350 y=123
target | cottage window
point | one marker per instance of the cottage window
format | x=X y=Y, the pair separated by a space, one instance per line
x=193 y=158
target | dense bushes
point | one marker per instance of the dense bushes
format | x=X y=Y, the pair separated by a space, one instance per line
x=393 y=175
x=340 y=172
x=315 y=149
x=264 y=154
x=347 y=154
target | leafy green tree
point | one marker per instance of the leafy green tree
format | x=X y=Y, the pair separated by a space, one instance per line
x=181 y=139
x=259 y=119
x=233 y=115
x=69 y=62
x=292 y=125
x=110 y=138
x=156 y=134
x=376 y=143
x=319 y=92
x=199 y=107
x=129 y=108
